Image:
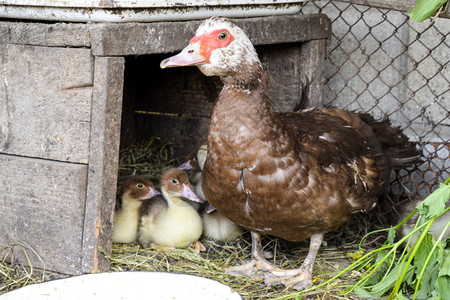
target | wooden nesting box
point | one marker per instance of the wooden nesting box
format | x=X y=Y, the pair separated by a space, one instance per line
x=62 y=91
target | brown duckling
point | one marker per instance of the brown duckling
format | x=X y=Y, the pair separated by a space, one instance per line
x=135 y=190
x=169 y=221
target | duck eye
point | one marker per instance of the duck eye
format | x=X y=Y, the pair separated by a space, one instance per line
x=223 y=35
x=175 y=181
x=140 y=186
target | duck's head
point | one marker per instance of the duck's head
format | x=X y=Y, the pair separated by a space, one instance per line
x=191 y=162
x=138 y=188
x=175 y=184
x=219 y=48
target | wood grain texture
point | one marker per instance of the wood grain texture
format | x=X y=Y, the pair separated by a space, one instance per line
x=42 y=204
x=312 y=60
x=166 y=37
x=45 y=102
x=42 y=34
x=103 y=162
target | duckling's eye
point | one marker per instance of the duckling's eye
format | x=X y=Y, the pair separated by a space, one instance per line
x=140 y=186
x=223 y=35
x=175 y=181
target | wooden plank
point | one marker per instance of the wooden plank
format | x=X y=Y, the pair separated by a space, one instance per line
x=184 y=133
x=283 y=66
x=42 y=204
x=165 y=37
x=42 y=34
x=181 y=91
x=103 y=162
x=46 y=102
x=312 y=62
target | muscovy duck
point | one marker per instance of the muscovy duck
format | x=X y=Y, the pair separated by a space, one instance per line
x=293 y=175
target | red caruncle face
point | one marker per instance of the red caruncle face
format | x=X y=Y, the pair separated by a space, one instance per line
x=216 y=39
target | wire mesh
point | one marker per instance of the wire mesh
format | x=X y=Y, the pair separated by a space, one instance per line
x=382 y=62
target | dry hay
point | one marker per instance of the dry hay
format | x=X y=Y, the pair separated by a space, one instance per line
x=14 y=275
x=218 y=256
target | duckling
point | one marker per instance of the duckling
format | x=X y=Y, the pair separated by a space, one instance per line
x=215 y=225
x=135 y=191
x=192 y=163
x=218 y=227
x=435 y=230
x=195 y=162
x=170 y=222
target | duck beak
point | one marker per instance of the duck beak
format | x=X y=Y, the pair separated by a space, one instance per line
x=189 y=56
x=186 y=166
x=188 y=193
x=152 y=193
x=209 y=209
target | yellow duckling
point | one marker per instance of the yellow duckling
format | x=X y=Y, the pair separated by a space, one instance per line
x=171 y=222
x=135 y=190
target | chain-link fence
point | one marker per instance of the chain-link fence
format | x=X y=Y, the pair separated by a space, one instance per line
x=384 y=63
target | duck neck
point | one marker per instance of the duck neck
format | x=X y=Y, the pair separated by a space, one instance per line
x=244 y=103
x=129 y=203
x=172 y=200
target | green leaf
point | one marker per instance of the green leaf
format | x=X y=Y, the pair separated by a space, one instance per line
x=424 y=9
x=426 y=286
x=381 y=270
x=423 y=252
x=443 y=281
x=363 y=293
x=389 y=281
x=391 y=235
x=434 y=204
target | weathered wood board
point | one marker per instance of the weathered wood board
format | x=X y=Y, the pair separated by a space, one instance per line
x=46 y=105
x=43 y=205
x=55 y=117
x=165 y=37
x=103 y=162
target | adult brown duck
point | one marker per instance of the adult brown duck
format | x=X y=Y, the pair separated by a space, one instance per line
x=293 y=175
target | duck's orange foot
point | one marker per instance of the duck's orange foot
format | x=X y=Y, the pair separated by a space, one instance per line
x=198 y=247
x=299 y=279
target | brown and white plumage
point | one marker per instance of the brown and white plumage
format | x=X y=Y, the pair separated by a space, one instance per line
x=135 y=191
x=293 y=175
x=170 y=221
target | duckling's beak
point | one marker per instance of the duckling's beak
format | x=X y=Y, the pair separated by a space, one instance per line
x=186 y=166
x=152 y=193
x=189 y=56
x=188 y=193
x=209 y=209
